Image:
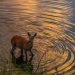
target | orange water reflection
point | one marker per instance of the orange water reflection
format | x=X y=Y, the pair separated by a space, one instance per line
x=50 y=20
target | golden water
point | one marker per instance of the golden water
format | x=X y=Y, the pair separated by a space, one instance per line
x=50 y=19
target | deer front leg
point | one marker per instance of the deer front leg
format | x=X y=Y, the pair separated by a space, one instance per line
x=31 y=56
x=21 y=58
x=22 y=53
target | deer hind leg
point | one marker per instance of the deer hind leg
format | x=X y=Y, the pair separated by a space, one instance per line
x=12 y=50
x=26 y=60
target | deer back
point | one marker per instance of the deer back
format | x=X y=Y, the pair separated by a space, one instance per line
x=19 y=41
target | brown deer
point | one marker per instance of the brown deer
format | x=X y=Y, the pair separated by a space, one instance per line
x=23 y=44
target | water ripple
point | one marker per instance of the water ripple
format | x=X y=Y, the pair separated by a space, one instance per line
x=55 y=41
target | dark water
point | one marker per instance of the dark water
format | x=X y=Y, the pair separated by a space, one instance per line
x=53 y=20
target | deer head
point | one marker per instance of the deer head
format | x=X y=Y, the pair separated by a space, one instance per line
x=31 y=36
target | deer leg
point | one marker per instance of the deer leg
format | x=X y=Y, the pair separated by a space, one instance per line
x=26 y=56
x=12 y=53
x=31 y=56
x=22 y=52
x=12 y=50
x=20 y=60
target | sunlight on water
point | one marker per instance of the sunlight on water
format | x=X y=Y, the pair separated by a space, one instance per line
x=50 y=19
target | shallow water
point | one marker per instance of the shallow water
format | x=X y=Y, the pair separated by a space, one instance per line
x=54 y=23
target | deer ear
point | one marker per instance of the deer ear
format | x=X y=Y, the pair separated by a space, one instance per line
x=28 y=34
x=35 y=34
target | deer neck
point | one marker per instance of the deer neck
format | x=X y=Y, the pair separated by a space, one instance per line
x=30 y=43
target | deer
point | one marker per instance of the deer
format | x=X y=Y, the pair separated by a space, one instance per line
x=23 y=44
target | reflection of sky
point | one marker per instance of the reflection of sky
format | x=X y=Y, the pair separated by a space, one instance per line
x=72 y=17
x=73 y=11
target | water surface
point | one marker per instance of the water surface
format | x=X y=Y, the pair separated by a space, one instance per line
x=53 y=20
